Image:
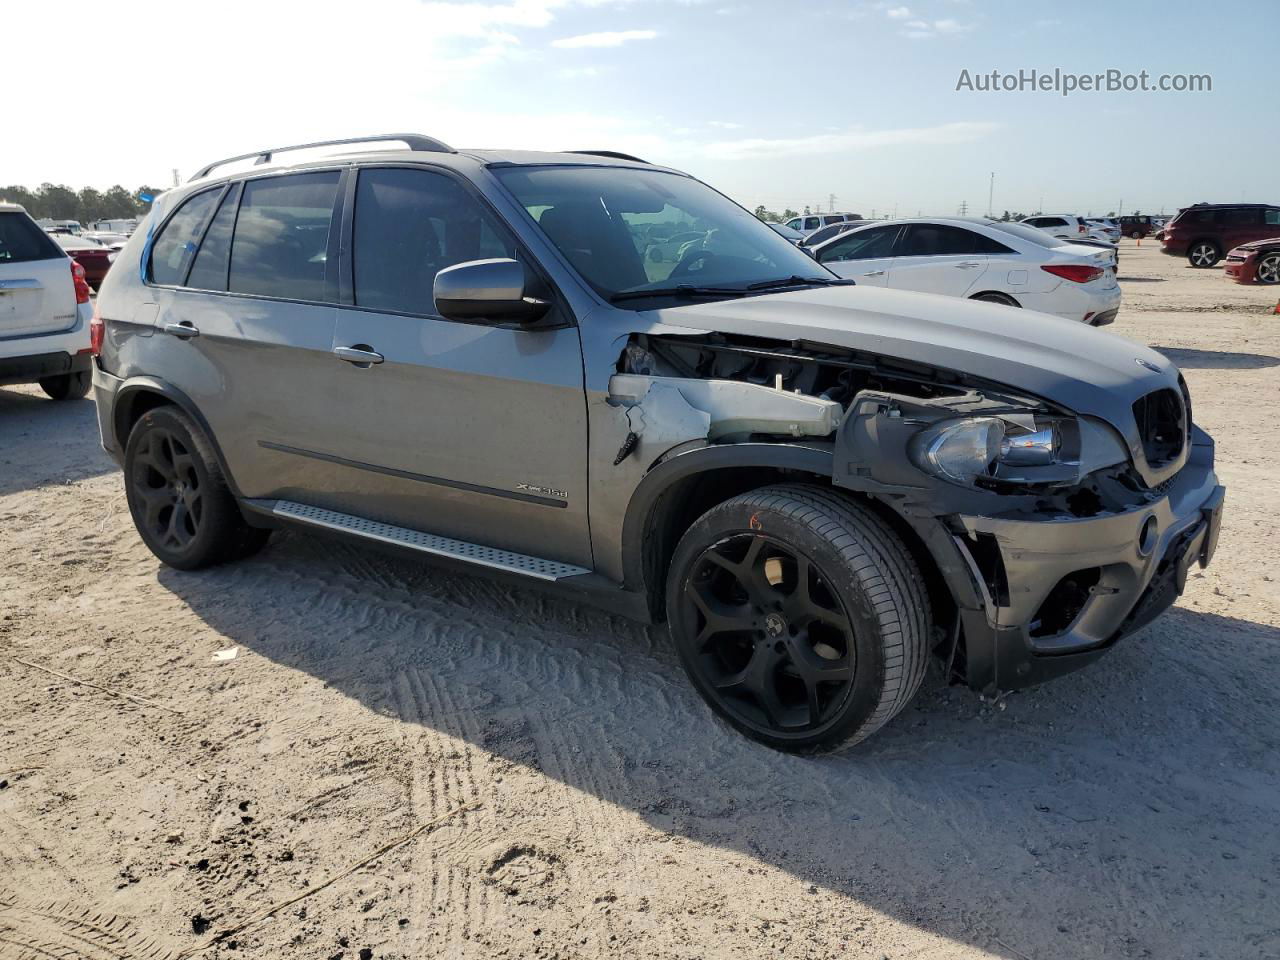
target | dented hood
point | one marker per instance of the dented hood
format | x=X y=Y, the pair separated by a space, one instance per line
x=1076 y=366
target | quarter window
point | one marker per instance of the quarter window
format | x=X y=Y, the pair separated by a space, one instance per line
x=410 y=225
x=1273 y=218
x=175 y=244
x=281 y=241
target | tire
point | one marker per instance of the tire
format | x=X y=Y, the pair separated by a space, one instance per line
x=68 y=386
x=1203 y=254
x=180 y=501
x=799 y=670
x=994 y=297
x=1268 y=271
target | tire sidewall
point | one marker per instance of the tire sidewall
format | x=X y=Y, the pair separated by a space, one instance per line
x=732 y=519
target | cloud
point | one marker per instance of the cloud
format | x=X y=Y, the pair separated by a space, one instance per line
x=920 y=29
x=898 y=13
x=849 y=141
x=724 y=125
x=610 y=38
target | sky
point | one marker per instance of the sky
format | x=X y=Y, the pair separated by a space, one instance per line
x=776 y=103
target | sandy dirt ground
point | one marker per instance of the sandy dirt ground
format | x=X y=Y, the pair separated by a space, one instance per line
x=564 y=791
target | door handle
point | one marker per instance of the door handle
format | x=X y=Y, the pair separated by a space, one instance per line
x=361 y=354
x=183 y=330
x=967 y=265
x=874 y=273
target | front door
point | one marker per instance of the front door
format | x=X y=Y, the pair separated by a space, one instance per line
x=466 y=430
x=864 y=256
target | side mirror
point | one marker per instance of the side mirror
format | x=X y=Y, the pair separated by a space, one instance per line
x=490 y=291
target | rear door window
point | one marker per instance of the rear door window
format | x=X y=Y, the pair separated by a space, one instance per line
x=280 y=247
x=812 y=223
x=22 y=241
x=1272 y=218
x=175 y=244
x=209 y=271
x=408 y=226
x=939 y=240
x=1243 y=217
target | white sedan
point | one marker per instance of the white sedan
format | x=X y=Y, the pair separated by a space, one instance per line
x=983 y=260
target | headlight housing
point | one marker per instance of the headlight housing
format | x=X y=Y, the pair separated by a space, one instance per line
x=1015 y=448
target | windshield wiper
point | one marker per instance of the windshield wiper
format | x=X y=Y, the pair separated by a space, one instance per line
x=682 y=290
x=796 y=281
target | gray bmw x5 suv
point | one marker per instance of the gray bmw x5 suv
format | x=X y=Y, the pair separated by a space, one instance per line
x=471 y=355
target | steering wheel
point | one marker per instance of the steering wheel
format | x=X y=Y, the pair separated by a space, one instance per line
x=690 y=258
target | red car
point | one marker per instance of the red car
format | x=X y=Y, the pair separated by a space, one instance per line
x=1257 y=262
x=1205 y=232
x=95 y=257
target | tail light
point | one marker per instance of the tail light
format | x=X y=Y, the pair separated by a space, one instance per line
x=1075 y=272
x=80 y=283
x=97 y=329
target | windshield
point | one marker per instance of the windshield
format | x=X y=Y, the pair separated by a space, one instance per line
x=627 y=231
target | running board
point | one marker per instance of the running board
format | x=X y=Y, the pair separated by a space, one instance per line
x=504 y=560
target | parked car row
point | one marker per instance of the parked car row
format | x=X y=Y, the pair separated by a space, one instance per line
x=1246 y=233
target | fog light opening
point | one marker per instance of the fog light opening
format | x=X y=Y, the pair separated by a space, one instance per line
x=1065 y=602
x=1148 y=536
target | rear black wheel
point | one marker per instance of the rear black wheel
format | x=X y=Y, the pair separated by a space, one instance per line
x=178 y=496
x=68 y=386
x=800 y=617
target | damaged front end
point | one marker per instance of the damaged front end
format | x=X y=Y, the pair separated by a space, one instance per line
x=1051 y=545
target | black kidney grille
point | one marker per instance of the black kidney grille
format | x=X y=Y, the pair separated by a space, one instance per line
x=1162 y=425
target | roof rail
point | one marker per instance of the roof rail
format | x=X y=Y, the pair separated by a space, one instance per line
x=611 y=154
x=414 y=141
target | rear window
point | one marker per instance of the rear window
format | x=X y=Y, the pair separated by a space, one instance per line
x=281 y=242
x=22 y=241
x=175 y=244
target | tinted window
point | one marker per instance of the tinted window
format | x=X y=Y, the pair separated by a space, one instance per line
x=867 y=244
x=812 y=223
x=794 y=224
x=410 y=225
x=22 y=241
x=209 y=272
x=173 y=246
x=281 y=241
x=1272 y=217
x=938 y=240
x=1243 y=217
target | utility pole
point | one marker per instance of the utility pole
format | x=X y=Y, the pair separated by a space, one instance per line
x=831 y=203
x=991 y=192
x=873 y=213
x=1120 y=211
x=175 y=176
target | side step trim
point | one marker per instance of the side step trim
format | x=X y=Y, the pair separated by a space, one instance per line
x=505 y=560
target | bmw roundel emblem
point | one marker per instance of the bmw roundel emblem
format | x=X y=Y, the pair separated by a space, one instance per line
x=1146 y=363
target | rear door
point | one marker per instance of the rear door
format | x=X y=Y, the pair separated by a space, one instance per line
x=245 y=280
x=864 y=255
x=1241 y=225
x=36 y=291
x=937 y=258
x=467 y=430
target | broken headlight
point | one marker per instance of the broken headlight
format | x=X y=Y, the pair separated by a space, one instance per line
x=1015 y=448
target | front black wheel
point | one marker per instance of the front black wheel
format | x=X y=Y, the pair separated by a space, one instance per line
x=1269 y=268
x=800 y=617
x=68 y=386
x=178 y=496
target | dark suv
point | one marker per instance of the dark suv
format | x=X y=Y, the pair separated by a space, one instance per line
x=1206 y=231
x=467 y=355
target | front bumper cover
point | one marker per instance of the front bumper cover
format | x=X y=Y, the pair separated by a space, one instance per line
x=1133 y=564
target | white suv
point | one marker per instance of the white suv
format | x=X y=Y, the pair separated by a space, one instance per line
x=811 y=222
x=1067 y=226
x=45 y=315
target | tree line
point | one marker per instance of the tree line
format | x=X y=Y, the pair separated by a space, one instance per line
x=60 y=202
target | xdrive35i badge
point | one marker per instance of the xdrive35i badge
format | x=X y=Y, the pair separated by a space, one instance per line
x=542 y=491
x=1146 y=363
